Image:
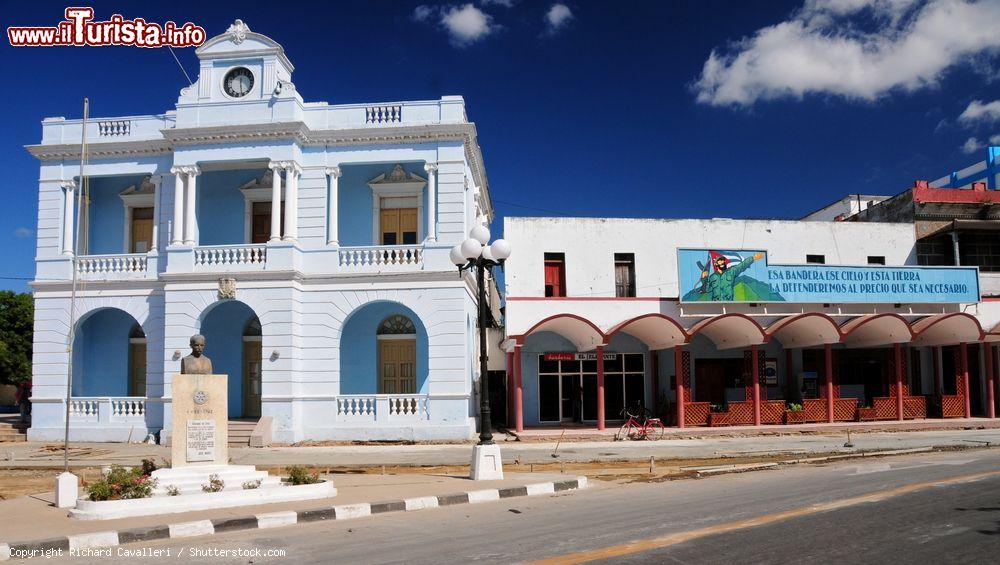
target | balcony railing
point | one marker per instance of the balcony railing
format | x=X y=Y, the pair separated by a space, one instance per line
x=105 y=409
x=381 y=408
x=244 y=257
x=381 y=258
x=124 y=266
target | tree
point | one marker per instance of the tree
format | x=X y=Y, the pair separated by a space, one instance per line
x=16 y=319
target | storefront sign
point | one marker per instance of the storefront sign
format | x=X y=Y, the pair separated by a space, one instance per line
x=771 y=372
x=567 y=356
x=724 y=275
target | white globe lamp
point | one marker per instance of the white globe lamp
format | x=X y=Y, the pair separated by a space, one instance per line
x=500 y=250
x=456 y=256
x=471 y=248
x=480 y=234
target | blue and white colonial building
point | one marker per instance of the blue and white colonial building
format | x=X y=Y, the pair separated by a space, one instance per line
x=308 y=242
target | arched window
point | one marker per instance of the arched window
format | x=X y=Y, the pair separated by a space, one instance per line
x=396 y=325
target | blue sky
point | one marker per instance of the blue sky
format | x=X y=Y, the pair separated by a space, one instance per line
x=660 y=109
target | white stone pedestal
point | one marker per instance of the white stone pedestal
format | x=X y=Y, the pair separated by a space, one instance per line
x=67 y=490
x=486 y=463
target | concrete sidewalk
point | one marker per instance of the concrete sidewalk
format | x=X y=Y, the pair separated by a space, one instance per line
x=817 y=441
x=35 y=517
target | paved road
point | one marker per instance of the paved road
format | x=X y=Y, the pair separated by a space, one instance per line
x=940 y=508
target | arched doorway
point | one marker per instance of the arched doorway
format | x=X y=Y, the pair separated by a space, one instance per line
x=109 y=355
x=233 y=342
x=397 y=355
x=383 y=350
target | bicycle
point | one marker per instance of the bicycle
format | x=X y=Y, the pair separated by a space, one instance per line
x=639 y=426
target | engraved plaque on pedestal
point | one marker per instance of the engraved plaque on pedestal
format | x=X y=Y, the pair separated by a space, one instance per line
x=200 y=441
x=200 y=420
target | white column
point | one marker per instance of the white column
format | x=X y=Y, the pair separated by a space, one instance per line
x=331 y=206
x=189 y=205
x=177 y=230
x=69 y=189
x=157 y=180
x=431 y=169
x=291 y=201
x=276 y=168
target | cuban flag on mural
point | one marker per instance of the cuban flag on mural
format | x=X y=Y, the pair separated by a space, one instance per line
x=713 y=258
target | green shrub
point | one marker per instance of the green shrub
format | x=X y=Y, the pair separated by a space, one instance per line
x=298 y=475
x=794 y=407
x=173 y=490
x=251 y=485
x=121 y=483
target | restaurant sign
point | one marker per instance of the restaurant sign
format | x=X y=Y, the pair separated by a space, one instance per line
x=725 y=275
x=569 y=356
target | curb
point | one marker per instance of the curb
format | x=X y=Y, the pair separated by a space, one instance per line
x=61 y=545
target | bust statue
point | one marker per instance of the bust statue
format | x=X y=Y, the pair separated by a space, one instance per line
x=196 y=363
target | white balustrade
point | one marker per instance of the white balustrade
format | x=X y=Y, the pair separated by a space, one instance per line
x=381 y=408
x=130 y=407
x=247 y=256
x=127 y=265
x=112 y=128
x=106 y=409
x=373 y=258
x=384 y=114
x=355 y=407
x=85 y=409
x=414 y=405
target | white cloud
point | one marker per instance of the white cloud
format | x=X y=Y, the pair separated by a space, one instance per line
x=24 y=233
x=995 y=139
x=558 y=16
x=467 y=24
x=423 y=12
x=971 y=145
x=857 y=49
x=978 y=111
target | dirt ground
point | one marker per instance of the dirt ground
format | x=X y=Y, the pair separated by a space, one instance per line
x=22 y=482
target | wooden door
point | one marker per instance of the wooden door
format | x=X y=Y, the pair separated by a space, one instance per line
x=137 y=369
x=141 y=230
x=260 y=222
x=252 y=381
x=397 y=366
x=398 y=226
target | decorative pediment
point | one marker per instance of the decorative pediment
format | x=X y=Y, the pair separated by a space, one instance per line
x=141 y=195
x=238 y=40
x=265 y=181
x=397 y=181
x=259 y=189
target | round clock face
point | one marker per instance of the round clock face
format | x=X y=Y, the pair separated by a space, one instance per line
x=238 y=82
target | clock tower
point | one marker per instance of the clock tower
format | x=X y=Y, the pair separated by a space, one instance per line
x=236 y=67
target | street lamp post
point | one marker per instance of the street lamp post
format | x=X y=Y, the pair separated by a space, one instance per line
x=475 y=253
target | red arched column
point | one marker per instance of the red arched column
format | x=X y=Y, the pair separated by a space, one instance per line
x=755 y=371
x=679 y=388
x=600 y=387
x=518 y=392
x=964 y=354
x=897 y=352
x=828 y=361
x=990 y=392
